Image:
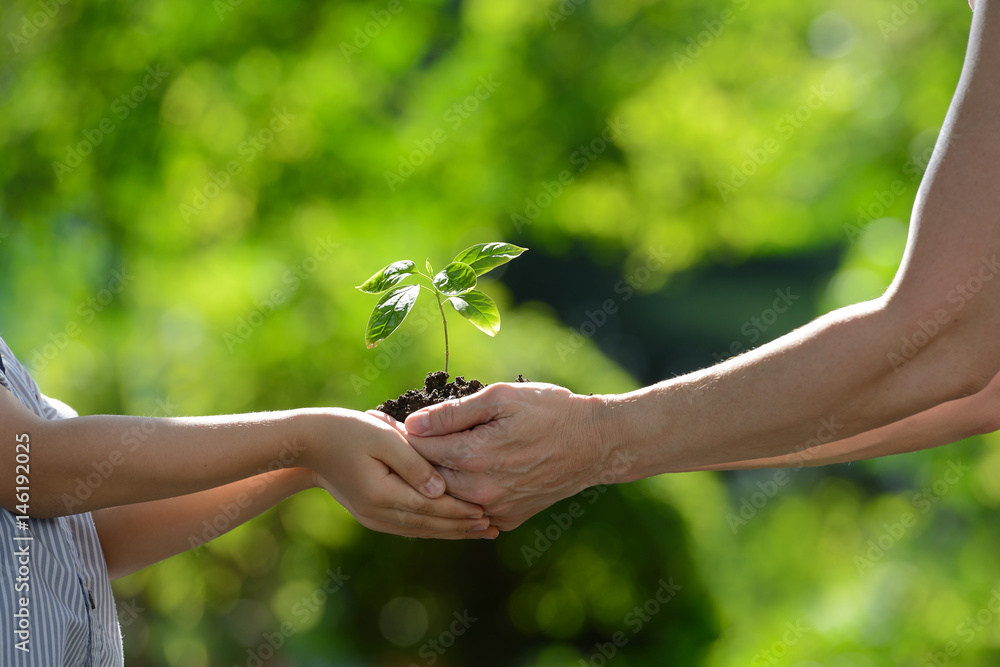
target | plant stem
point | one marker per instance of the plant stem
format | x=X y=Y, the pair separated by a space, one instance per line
x=444 y=322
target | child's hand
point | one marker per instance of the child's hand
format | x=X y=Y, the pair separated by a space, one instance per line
x=370 y=468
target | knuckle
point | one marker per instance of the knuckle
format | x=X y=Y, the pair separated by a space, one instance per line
x=447 y=414
x=500 y=391
x=411 y=520
x=418 y=503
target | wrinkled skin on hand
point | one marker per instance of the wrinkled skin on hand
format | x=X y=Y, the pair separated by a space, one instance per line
x=515 y=449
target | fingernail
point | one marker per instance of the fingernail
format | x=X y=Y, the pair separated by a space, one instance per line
x=418 y=422
x=435 y=487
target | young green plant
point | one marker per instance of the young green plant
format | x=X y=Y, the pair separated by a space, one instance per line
x=455 y=283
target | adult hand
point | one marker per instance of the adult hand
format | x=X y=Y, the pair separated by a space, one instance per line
x=370 y=469
x=514 y=448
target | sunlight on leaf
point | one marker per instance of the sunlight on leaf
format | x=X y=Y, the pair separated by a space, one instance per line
x=485 y=257
x=389 y=313
x=478 y=309
x=388 y=277
x=455 y=279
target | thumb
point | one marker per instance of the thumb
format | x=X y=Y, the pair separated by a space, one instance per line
x=413 y=468
x=455 y=415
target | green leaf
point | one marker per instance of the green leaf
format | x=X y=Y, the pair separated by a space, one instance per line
x=427 y=263
x=389 y=313
x=478 y=309
x=488 y=256
x=455 y=278
x=388 y=277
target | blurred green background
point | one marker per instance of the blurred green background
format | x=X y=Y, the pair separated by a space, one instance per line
x=242 y=165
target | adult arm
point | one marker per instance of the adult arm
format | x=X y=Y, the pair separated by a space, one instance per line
x=850 y=367
x=941 y=425
x=92 y=463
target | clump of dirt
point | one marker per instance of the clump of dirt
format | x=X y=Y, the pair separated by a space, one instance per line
x=436 y=389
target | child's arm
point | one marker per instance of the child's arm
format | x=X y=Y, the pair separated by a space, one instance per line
x=91 y=463
x=134 y=536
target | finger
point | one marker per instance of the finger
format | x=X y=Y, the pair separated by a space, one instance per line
x=445 y=532
x=382 y=417
x=408 y=500
x=459 y=485
x=490 y=533
x=415 y=522
x=388 y=420
x=412 y=467
x=456 y=415
x=440 y=450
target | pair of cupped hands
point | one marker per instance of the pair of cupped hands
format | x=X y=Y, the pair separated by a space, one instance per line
x=467 y=468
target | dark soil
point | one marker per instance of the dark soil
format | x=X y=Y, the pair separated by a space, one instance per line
x=436 y=389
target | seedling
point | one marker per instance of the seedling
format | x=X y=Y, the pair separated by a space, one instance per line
x=455 y=283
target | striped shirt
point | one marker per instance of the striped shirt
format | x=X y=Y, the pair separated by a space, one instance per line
x=54 y=580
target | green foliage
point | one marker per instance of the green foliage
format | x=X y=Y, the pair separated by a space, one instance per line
x=454 y=279
x=485 y=257
x=478 y=309
x=457 y=281
x=389 y=276
x=389 y=313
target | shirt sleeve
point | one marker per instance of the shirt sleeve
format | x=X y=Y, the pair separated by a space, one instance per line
x=56 y=409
